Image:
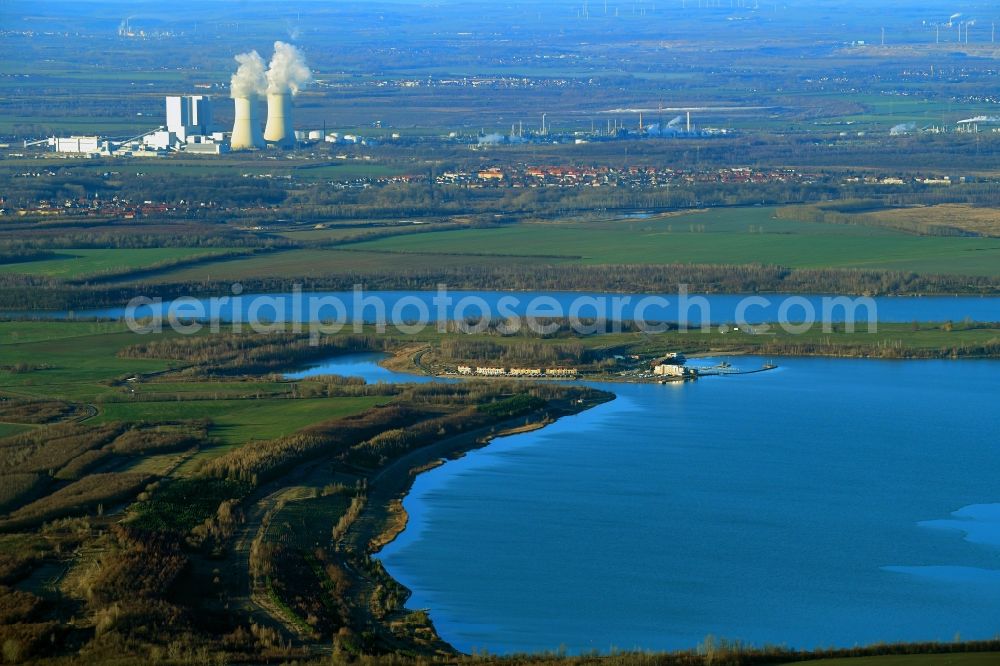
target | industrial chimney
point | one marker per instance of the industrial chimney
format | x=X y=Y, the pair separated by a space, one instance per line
x=246 y=129
x=246 y=87
x=278 y=130
x=286 y=75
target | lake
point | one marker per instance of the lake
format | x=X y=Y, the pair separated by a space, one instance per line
x=363 y=365
x=421 y=305
x=828 y=502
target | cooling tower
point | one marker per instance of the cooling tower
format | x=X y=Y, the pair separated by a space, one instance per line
x=279 y=120
x=246 y=130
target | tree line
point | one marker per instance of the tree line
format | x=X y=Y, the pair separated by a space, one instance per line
x=30 y=293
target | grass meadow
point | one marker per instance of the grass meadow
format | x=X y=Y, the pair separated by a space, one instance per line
x=723 y=236
x=730 y=236
x=78 y=361
x=736 y=236
x=238 y=421
x=76 y=264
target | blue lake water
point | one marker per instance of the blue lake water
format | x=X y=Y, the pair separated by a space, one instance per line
x=358 y=365
x=828 y=502
x=404 y=306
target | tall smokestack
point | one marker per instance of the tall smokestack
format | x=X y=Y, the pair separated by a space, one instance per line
x=247 y=85
x=287 y=73
x=279 y=120
x=246 y=128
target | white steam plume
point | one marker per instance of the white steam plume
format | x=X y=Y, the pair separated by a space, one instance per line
x=249 y=79
x=288 y=71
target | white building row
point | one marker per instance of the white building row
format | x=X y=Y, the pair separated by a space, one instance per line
x=516 y=372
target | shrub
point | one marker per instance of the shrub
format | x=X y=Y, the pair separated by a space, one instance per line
x=78 y=497
x=181 y=504
x=16 y=489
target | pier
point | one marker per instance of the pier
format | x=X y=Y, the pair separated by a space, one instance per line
x=726 y=369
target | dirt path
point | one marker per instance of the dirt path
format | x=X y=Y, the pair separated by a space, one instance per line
x=249 y=597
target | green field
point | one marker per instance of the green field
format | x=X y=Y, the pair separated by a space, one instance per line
x=319 y=262
x=80 y=263
x=73 y=367
x=723 y=236
x=304 y=263
x=734 y=236
x=15 y=332
x=239 y=421
x=8 y=429
x=78 y=361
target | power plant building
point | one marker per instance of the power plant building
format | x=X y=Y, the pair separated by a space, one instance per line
x=189 y=115
x=189 y=129
x=87 y=145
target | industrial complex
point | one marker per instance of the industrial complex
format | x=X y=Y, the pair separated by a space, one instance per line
x=189 y=126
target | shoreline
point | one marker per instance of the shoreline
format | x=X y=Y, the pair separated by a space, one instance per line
x=398 y=519
x=409 y=365
x=392 y=532
x=384 y=518
x=97 y=312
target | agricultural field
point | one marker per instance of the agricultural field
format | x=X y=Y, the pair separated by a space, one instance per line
x=741 y=236
x=69 y=366
x=319 y=262
x=75 y=264
x=941 y=219
x=14 y=332
x=716 y=237
x=971 y=219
